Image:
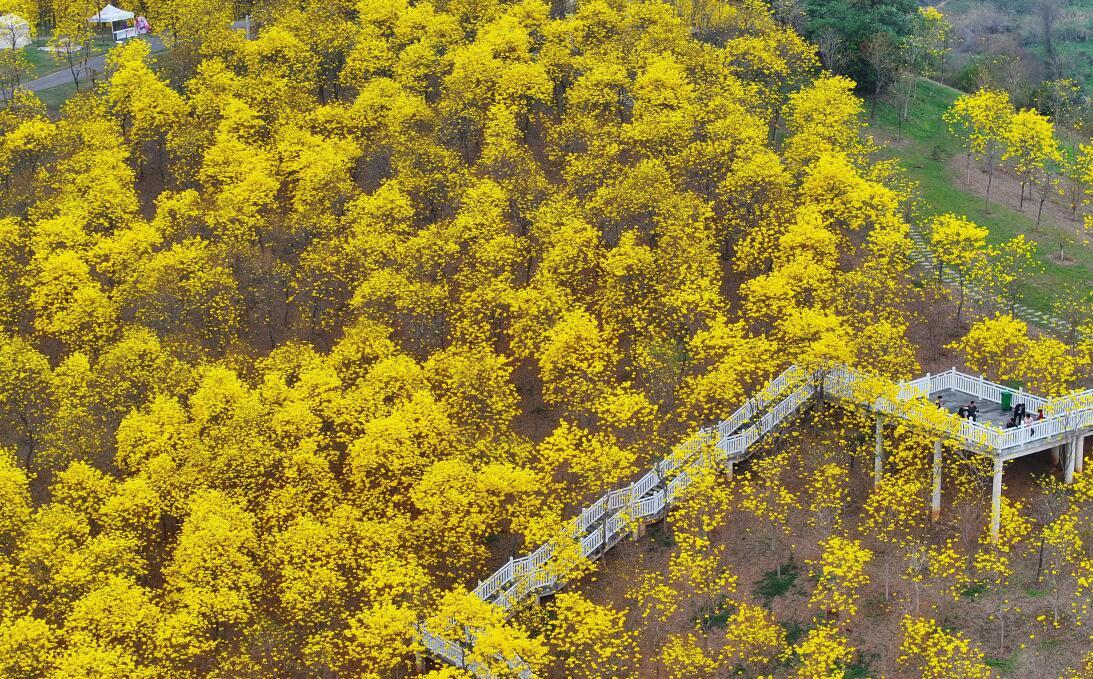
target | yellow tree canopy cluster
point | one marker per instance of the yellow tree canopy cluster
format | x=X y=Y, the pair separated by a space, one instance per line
x=303 y=333
x=992 y=130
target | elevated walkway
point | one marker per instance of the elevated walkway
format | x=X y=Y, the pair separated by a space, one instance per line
x=626 y=510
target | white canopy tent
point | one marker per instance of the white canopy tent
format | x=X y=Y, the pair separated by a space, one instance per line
x=110 y=14
x=14 y=32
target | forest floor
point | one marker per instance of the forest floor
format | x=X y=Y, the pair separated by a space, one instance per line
x=1025 y=647
x=778 y=578
x=934 y=159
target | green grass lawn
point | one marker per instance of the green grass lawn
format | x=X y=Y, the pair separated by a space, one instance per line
x=926 y=150
x=55 y=96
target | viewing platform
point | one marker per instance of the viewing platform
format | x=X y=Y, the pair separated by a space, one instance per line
x=1064 y=418
x=1066 y=422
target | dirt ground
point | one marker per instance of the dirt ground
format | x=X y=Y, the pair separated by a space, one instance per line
x=1027 y=649
x=1006 y=190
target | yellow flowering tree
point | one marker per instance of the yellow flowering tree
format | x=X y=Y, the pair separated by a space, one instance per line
x=939 y=566
x=959 y=244
x=841 y=575
x=1032 y=149
x=894 y=514
x=1001 y=348
x=502 y=648
x=683 y=656
x=993 y=562
x=764 y=495
x=824 y=653
x=589 y=639
x=1006 y=272
x=982 y=121
x=753 y=638
x=931 y=652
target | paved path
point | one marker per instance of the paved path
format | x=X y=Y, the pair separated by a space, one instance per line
x=96 y=65
x=921 y=255
x=989 y=411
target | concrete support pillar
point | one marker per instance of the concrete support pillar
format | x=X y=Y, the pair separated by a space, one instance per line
x=1079 y=457
x=935 y=497
x=1056 y=455
x=419 y=662
x=1069 y=463
x=639 y=529
x=878 y=456
x=996 y=500
x=728 y=470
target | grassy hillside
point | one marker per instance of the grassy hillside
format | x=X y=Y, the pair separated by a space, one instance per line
x=54 y=97
x=926 y=149
x=1013 y=28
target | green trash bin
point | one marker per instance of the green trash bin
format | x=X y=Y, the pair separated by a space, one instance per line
x=1007 y=400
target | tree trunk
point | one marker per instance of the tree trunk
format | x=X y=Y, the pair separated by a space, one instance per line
x=1040 y=561
x=1043 y=199
x=960 y=305
x=887 y=569
x=990 y=178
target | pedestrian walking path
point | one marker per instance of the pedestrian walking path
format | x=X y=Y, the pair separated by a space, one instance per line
x=624 y=512
x=921 y=255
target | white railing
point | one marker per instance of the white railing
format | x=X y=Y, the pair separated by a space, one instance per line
x=603 y=523
x=454 y=654
x=941 y=381
x=633 y=498
x=126 y=33
x=1050 y=427
x=846 y=383
x=919 y=388
x=643 y=499
x=1081 y=401
x=986 y=390
x=442 y=648
x=1064 y=415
